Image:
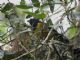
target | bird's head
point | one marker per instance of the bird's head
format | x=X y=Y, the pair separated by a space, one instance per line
x=33 y=22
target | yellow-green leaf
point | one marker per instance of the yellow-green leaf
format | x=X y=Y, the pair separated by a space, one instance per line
x=23 y=6
x=72 y=32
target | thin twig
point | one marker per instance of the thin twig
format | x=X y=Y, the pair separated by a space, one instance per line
x=49 y=52
x=26 y=50
x=57 y=52
x=15 y=37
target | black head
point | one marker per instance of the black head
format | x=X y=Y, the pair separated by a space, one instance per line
x=33 y=22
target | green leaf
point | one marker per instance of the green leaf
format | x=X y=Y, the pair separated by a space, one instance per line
x=30 y=13
x=36 y=15
x=36 y=3
x=40 y=16
x=49 y=22
x=7 y=7
x=23 y=6
x=72 y=32
x=3 y=26
x=22 y=2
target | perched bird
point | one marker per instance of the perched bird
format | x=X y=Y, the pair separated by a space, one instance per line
x=39 y=28
x=33 y=23
x=41 y=31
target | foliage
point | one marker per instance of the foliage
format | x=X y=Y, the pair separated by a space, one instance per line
x=72 y=32
x=53 y=45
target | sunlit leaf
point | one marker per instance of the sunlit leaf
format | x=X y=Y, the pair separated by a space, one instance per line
x=40 y=16
x=23 y=6
x=3 y=27
x=30 y=13
x=72 y=32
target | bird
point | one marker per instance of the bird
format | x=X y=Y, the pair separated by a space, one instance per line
x=33 y=23
x=41 y=30
x=38 y=28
